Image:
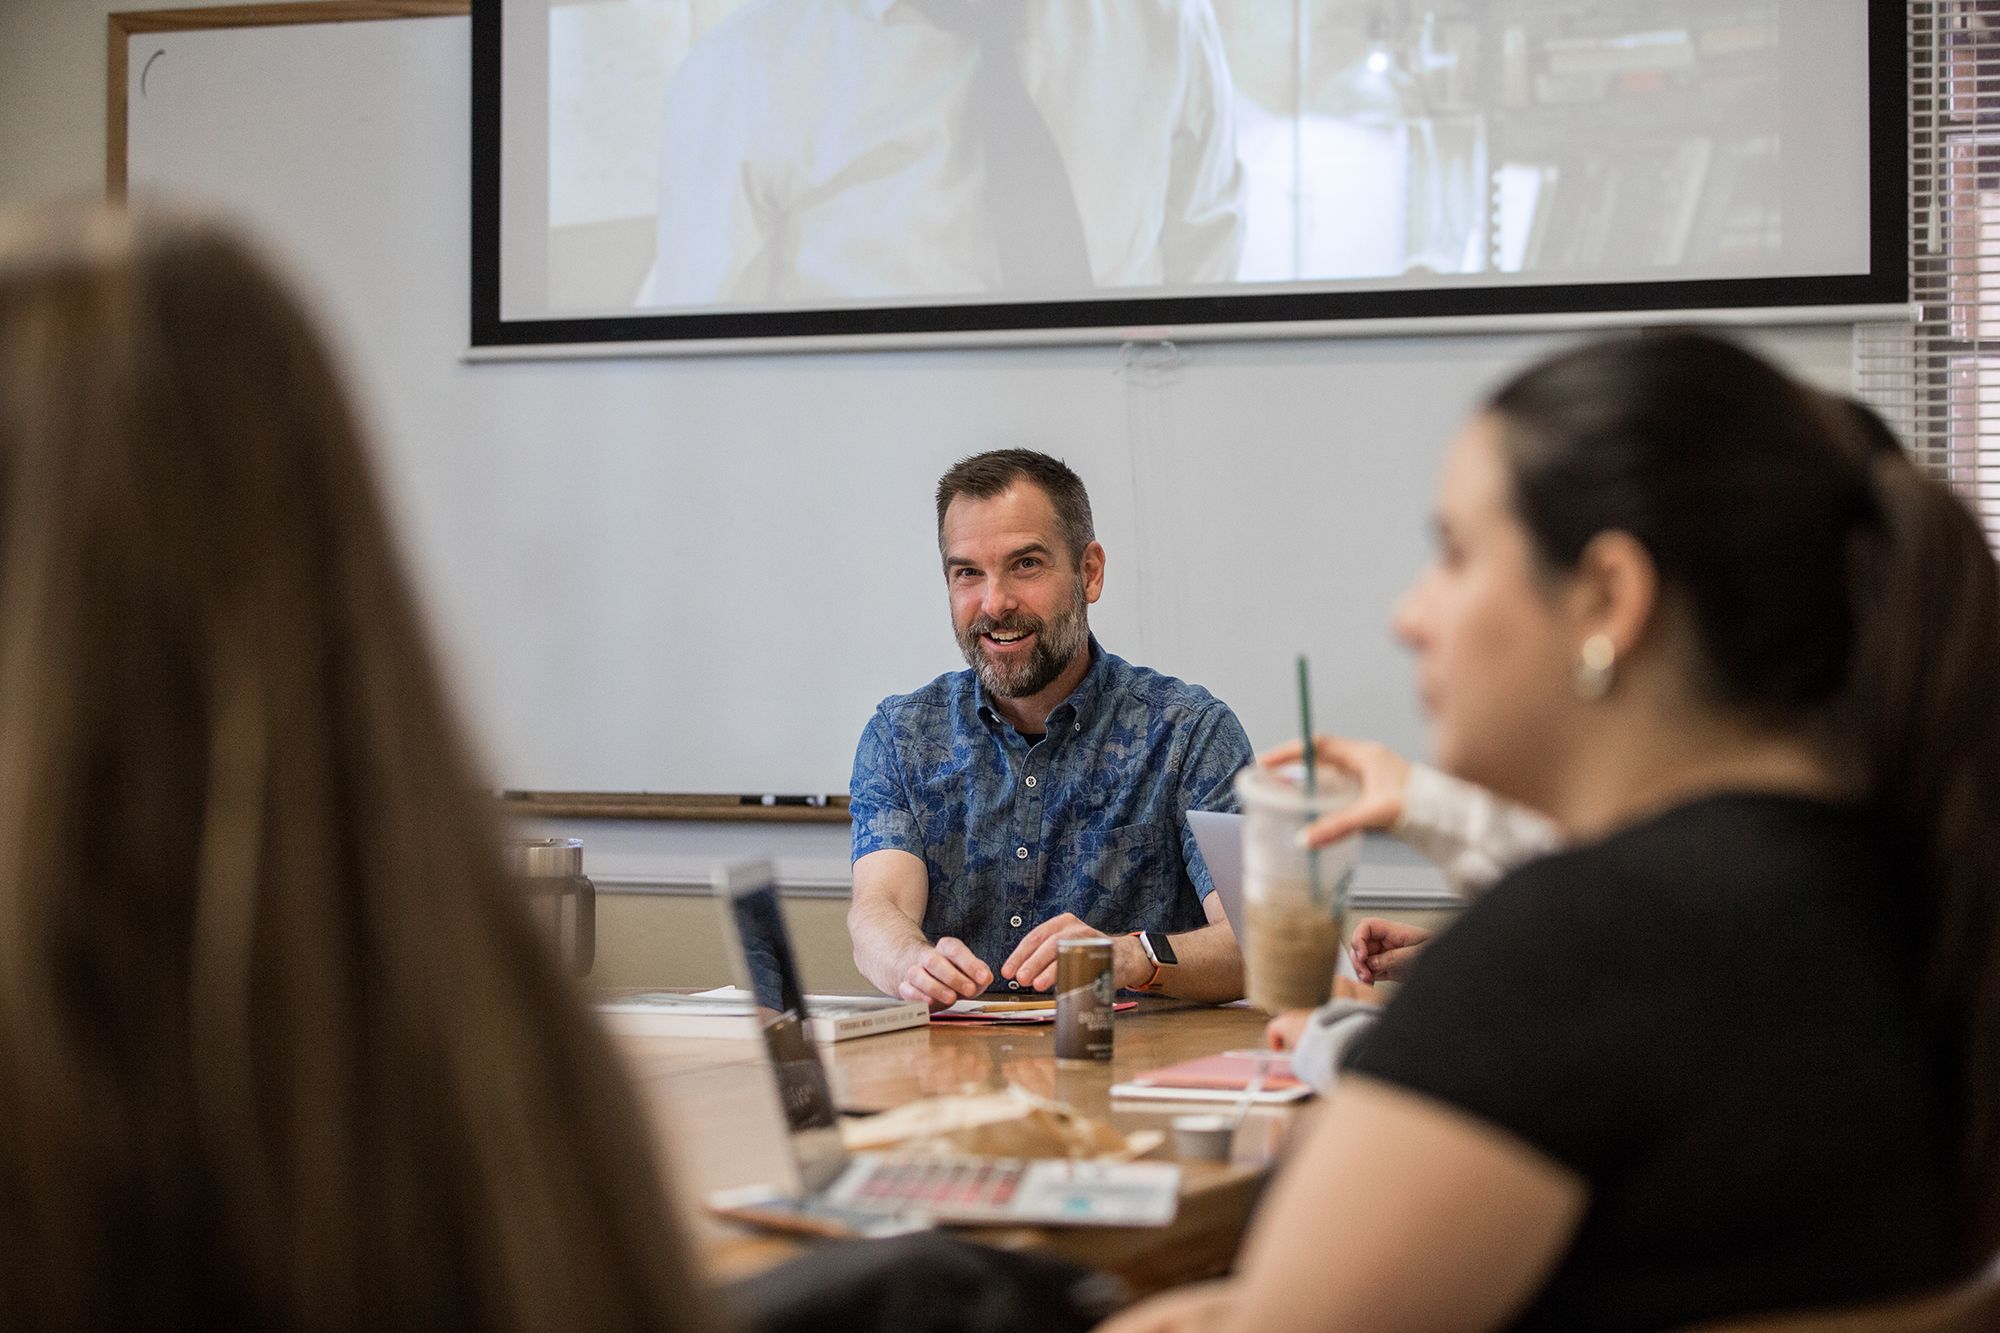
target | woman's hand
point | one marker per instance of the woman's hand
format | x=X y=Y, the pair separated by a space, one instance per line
x=1282 y=1032
x=1381 y=772
x=1383 y=950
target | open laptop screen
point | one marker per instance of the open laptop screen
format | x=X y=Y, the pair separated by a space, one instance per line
x=764 y=947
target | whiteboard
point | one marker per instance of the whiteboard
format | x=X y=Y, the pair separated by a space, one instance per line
x=662 y=575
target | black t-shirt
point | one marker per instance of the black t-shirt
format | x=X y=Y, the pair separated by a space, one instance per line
x=1713 y=1017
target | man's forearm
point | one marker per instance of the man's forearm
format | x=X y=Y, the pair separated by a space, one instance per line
x=886 y=941
x=1210 y=967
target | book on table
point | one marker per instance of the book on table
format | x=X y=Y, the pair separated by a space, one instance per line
x=983 y=1010
x=729 y=1011
x=1219 y=1078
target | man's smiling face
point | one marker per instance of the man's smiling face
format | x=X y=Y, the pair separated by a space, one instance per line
x=1018 y=595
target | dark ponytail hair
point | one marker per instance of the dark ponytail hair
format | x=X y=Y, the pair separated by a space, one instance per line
x=1923 y=709
x=1834 y=590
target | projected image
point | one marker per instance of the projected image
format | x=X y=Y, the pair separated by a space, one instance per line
x=688 y=156
x=813 y=151
x=1587 y=139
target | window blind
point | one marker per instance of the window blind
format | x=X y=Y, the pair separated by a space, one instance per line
x=1938 y=381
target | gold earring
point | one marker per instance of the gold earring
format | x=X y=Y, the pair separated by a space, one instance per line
x=1595 y=666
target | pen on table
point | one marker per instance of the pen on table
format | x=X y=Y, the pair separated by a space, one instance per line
x=769 y=799
x=1252 y=1088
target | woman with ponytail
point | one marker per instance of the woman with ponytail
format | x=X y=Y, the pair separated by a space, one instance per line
x=1737 y=1048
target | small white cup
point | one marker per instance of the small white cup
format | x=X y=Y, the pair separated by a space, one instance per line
x=1203 y=1138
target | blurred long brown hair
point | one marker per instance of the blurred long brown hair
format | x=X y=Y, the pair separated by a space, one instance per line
x=277 y=1042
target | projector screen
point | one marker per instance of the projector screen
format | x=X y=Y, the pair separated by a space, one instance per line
x=678 y=171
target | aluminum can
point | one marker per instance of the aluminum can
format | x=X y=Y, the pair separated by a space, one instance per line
x=1084 y=990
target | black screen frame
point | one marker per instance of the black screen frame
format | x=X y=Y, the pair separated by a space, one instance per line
x=1886 y=282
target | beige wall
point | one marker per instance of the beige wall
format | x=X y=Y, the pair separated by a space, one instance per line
x=657 y=939
x=653 y=939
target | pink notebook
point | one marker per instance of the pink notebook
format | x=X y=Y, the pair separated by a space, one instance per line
x=1219 y=1078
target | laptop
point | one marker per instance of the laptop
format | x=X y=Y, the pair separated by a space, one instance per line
x=1219 y=835
x=880 y=1193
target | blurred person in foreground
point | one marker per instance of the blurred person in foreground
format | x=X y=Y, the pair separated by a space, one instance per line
x=1738 y=1048
x=279 y=1046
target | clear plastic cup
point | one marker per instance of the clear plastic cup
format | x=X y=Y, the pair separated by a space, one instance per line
x=1295 y=900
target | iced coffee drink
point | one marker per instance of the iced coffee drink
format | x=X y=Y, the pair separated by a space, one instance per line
x=1295 y=900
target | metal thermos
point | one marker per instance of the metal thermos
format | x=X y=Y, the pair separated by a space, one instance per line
x=561 y=897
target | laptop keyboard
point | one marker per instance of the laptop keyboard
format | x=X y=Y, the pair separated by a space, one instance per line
x=931 y=1185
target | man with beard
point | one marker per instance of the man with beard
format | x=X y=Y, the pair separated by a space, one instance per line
x=1042 y=794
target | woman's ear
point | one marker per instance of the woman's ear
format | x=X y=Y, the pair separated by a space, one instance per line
x=1615 y=591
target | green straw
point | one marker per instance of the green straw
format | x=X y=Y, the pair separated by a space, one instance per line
x=1306 y=727
x=1312 y=775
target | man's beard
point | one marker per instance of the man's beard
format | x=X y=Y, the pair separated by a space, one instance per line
x=1057 y=642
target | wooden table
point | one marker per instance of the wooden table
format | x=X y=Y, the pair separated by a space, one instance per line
x=715 y=1116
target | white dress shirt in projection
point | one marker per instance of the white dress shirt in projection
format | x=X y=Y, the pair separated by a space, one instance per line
x=830 y=152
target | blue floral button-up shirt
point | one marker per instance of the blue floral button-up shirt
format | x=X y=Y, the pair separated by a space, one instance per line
x=1090 y=819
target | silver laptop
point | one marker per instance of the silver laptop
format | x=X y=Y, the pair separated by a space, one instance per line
x=874 y=1193
x=1219 y=835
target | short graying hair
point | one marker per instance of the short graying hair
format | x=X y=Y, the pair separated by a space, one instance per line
x=983 y=476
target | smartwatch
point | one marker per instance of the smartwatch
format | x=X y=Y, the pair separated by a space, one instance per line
x=1160 y=951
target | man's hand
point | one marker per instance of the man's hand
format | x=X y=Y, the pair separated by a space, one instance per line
x=944 y=974
x=1383 y=950
x=1033 y=962
x=1382 y=773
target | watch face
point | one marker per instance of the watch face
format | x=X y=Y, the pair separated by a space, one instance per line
x=1161 y=948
